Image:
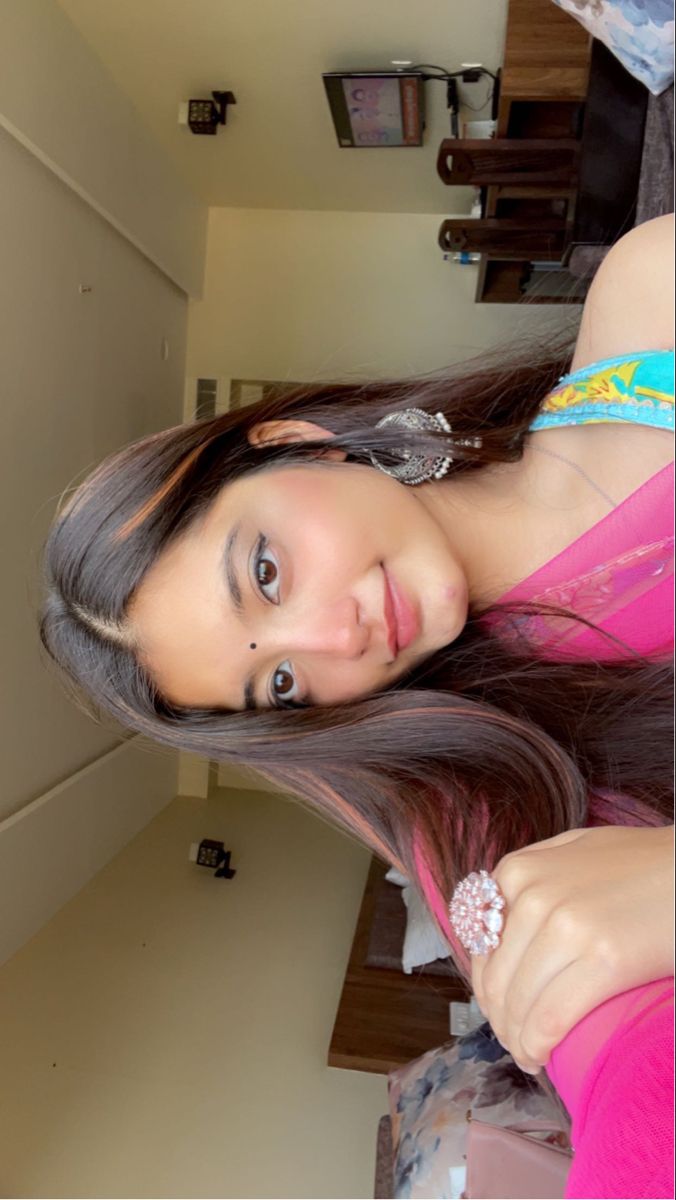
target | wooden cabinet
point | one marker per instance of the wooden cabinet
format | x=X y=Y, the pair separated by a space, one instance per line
x=546 y=59
x=543 y=86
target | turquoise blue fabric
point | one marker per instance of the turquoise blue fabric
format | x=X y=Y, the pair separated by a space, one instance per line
x=630 y=388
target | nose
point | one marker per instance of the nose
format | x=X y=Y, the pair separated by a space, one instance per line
x=332 y=630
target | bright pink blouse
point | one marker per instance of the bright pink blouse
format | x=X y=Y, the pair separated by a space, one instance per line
x=614 y=1070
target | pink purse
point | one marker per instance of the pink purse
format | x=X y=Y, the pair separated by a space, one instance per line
x=503 y=1163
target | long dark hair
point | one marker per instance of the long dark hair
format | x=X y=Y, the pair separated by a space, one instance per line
x=486 y=748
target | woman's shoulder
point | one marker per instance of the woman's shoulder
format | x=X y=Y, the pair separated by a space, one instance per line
x=630 y=304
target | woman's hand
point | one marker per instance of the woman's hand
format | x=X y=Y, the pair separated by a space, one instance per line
x=589 y=914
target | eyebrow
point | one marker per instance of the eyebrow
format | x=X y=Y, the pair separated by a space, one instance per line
x=236 y=597
x=230 y=572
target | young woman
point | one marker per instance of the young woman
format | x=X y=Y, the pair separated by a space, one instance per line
x=439 y=610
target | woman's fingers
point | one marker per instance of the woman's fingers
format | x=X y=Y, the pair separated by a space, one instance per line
x=508 y=981
x=574 y=992
x=587 y=916
x=554 y=946
x=493 y=973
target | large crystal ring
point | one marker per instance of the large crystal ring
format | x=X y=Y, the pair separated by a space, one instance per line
x=476 y=912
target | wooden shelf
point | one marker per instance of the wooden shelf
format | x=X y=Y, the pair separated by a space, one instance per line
x=512 y=281
x=386 y=1018
x=546 y=58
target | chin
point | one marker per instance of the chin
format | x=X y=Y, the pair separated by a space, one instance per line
x=453 y=634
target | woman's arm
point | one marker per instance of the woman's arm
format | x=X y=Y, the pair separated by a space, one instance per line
x=630 y=304
x=615 y=1074
x=589 y=915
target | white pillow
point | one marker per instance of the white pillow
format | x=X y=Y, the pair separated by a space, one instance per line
x=422 y=943
x=395 y=876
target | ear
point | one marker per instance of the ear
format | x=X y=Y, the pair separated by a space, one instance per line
x=283 y=433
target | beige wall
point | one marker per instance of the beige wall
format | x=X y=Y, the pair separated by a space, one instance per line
x=279 y=148
x=319 y=295
x=166 y=1033
x=92 y=355
x=80 y=375
x=60 y=103
x=193 y=1064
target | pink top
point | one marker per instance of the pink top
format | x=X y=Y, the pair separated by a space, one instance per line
x=614 y=1070
x=616 y=575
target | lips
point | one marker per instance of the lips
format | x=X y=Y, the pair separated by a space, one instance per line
x=400 y=618
x=390 y=620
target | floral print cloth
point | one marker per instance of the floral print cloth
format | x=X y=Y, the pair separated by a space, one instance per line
x=640 y=33
x=432 y=1097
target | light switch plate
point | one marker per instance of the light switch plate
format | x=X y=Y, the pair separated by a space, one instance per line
x=464 y=1018
x=459 y=1018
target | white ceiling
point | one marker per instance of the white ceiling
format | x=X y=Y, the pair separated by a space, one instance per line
x=278 y=149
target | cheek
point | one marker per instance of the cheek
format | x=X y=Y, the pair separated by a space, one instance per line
x=338 y=524
x=321 y=520
x=325 y=546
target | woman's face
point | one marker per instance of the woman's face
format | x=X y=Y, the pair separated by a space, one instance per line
x=310 y=584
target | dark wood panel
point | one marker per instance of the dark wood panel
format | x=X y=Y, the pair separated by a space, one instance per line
x=505 y=237
x=611 y=152
x=546 y=119
x=386 y=1018
x=547 y=55
x=541 y=36
x=502 y=281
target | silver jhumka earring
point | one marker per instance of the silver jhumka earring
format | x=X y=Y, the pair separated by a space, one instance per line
x=420 y=467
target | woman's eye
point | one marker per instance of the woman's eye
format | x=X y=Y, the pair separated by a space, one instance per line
x=284 y=690
x=266 y=572
x=284 y=686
